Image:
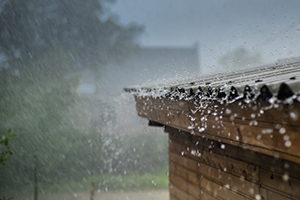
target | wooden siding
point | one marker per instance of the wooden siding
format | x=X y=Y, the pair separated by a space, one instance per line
x=201 y=168
x=273 y=130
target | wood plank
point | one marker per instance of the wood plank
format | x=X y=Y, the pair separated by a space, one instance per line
x=190 y=188
x=263 y=111
x=234 y=152
x=246 y=136
x=222 y=178
x=205 y=185
x=189 y=116
x=226 y=164
x=179 y=194
x=280 y=182
x=267 y=194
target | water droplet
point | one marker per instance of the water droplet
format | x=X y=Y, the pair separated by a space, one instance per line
x=182 y=153
x=228 y=111
x=237 y=137
x=190 y=127
x=251 y=191
x=294 y=116
x=252 y=115
x=257 y=197
x=285 y=177
x=222 y=146
x=286 y=137
x=282 y=130
x=267 y=131
x=288 y=143
x=258 y=137
x=286 y=165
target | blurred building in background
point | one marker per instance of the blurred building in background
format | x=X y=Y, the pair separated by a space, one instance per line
x=145 y=65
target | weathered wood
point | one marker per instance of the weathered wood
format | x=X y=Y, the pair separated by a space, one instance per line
x=188 y=141
x=179 y=194
x=153 y=123
x=281 y=183
x=267 y=194
x=199 y=163
x=222 y=178
x=272 y=130
x=231 y=166
x=204 y=185
x=190 y=188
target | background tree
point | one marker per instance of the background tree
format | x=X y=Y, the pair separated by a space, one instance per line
x=45 y=44
x=240 y=58
x=85 y=29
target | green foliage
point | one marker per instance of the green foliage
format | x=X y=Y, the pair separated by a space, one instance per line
x=4 y=154
x=5 y=141
x=112 y=182
x=87 y=29
x=4 y=198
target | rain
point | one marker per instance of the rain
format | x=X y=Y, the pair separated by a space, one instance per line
x=73 y=74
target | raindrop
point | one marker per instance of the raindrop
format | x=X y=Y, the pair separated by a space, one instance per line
x=190 y=127
x=285 y=177
x=228 y=111
x=258 y=137
x=222 y=146
x=294 y=116
x=282 y=130
x=237 y=137
x=182 y=153
x=257 y=197
x=252 y=115
x=288 y=143
x=286 y=165
x=251 y=191
x=267 y=131
x=286 y=137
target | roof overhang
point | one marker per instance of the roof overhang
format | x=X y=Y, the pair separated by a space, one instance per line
x=257 y=109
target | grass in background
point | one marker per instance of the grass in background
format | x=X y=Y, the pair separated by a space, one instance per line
x=109 y=182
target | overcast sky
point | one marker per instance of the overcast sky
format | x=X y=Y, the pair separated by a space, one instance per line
x=270 y=27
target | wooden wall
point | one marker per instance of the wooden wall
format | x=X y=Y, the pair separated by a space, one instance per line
x=201 y=168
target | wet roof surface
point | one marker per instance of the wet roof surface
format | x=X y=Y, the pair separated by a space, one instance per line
x=279 y=81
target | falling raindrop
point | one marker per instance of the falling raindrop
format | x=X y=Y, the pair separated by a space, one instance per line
x=293 y=115
x=288 y=143
x=258 y=137
x=286 y=137
x=285 y=177
x=286 y=165
x=222 y=146
x=282 y=130
x=257 y=197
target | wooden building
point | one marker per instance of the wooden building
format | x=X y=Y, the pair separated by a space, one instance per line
x=232 y=135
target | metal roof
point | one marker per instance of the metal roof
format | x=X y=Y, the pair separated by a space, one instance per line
x=276 y=82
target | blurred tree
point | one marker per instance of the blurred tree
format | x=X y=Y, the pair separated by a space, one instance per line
x=84 y=29
x=240 y=58
x=45 y=43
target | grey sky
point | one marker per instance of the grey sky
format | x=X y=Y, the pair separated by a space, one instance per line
x=269 y=27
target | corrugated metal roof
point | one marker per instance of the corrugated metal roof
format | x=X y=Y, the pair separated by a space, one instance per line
x=279 y=81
